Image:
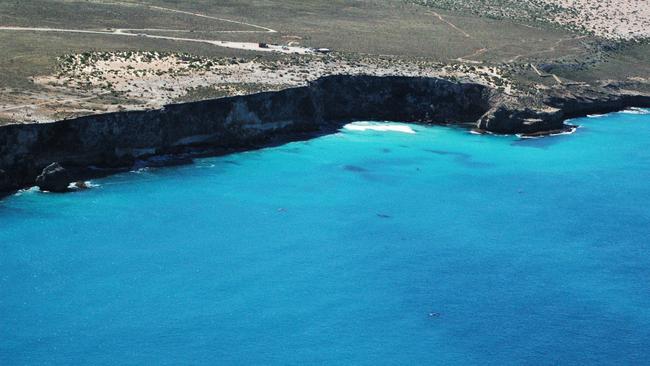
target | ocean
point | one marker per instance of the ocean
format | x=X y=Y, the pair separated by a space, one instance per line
x=382 y=244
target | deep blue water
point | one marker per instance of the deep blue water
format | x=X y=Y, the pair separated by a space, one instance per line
x=358 y=248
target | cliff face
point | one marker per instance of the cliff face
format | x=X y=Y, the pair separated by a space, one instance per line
x=580 y=102
x=427 y=100
x=117 y=139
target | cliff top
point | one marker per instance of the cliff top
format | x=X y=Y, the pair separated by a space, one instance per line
x=65 y=58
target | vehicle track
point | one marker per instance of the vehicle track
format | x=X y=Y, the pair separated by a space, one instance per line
x=131 y=32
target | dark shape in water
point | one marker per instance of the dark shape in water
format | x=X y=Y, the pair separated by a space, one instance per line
x=537 y=143
x=383 y=216
x=354 y=168
x=544 y=140
x=452 y=153
x=461 y=158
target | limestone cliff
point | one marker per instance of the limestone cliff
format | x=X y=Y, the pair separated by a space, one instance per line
x=117 y=139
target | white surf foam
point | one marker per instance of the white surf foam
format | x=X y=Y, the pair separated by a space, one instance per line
x=570 y=131
x=88 y=184
x=27 y=190
x=139 y=169
x=380 y=127
x=636 y=111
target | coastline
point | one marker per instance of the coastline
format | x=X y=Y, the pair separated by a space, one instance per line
x=103 y=144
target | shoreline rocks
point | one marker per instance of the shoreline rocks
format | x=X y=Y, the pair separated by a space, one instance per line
x=54 y=178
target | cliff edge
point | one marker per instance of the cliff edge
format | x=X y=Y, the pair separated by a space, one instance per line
x=95 y=145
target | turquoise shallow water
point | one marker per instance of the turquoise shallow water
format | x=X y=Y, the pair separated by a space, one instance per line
x=363 y=247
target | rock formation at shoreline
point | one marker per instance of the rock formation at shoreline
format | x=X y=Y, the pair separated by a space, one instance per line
x=116 y=140
x=54 y=178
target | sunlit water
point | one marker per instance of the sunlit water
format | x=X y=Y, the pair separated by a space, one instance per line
x=365 y=247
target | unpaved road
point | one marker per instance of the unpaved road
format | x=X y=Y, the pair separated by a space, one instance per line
x=250 y=46
x=124 y=32
x=264 y=29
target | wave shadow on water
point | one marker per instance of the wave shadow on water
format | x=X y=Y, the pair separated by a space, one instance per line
x=461 y=158
x=355 y=169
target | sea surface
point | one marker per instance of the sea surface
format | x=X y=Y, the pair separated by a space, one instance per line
x=383 y=244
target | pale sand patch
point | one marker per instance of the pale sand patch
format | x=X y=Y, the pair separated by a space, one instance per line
x=607 y=18
x=613 y=19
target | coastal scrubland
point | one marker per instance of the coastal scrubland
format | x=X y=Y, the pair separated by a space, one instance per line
x=65 y=58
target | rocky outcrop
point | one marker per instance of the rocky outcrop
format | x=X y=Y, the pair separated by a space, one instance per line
x=579 y=102
x=510 y=115
x=547 y=113
x=116 y=140
x=54 y=178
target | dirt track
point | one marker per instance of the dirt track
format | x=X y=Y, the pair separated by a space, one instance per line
x=128 y=32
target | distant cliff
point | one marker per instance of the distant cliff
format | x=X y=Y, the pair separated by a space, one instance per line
x=116 y=139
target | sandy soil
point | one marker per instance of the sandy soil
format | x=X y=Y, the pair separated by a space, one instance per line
x=613 y=19
x=607 y=18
